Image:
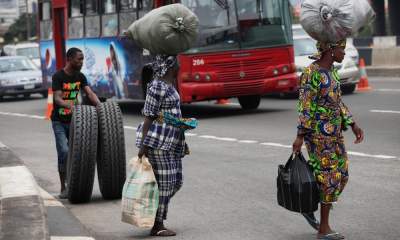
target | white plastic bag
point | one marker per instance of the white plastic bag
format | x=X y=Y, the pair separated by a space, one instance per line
x=334 y=20
x=140 y=194
x=170 y=29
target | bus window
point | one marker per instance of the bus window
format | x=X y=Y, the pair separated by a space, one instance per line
x=127 y=14
x=144 y=6
x=92 y=19
x=46 y=26
x=109 y=18
x=75 y=22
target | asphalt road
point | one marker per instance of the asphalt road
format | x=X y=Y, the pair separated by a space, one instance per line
x=230 y=178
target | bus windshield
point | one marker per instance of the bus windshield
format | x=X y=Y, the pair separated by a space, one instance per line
x=240 y=24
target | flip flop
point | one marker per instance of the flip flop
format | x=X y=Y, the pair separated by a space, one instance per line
x=331 y=236
x=163 y=233
x=311 y=220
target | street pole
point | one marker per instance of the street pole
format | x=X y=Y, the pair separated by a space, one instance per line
x=28 y=22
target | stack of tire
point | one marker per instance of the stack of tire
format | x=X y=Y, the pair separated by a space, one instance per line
x=96 y=135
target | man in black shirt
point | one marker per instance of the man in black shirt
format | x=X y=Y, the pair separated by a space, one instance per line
x=66 y=85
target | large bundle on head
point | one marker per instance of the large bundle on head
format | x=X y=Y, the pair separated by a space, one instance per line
x=171 y=29
x=331 y=21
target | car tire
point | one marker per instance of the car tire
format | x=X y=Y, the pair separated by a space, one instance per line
x=111 y=160
x=82 y=154
x=45 y=94
x=249 y=102
x=348 y=89
x=27 y=95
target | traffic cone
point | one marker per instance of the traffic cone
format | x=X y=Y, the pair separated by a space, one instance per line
x=222 y=101
x=363 y=84
x=49 y=104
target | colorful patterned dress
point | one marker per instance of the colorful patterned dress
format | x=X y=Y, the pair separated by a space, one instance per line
x=322 y=117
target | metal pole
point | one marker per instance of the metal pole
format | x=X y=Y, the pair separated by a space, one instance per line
x=28 y=22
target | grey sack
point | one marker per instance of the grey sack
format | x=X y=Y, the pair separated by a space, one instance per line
x=170 y=29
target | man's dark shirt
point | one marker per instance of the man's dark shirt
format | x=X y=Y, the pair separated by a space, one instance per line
x=70 y=86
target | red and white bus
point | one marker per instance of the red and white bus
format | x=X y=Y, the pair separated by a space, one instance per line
x=244 y=48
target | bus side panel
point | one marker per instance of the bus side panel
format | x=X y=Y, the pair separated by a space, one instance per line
x=112 y=66
x=47 y=61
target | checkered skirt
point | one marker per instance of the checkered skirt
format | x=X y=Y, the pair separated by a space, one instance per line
x=167 y=167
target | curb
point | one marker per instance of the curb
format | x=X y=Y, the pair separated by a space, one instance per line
x=22 y=211
x=383 y=71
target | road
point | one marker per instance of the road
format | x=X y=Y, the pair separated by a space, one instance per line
x=230 y=178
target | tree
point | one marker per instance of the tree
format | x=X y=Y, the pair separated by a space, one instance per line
x=19 y=28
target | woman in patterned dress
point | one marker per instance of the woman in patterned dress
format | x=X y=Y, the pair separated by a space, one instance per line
x=162 y=143
x=322 y=118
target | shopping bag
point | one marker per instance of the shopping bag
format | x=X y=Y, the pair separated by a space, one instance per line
x=140 y=194
x=170 y=29
x=297 y=187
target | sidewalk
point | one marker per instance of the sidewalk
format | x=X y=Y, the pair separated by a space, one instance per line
x=29 y=212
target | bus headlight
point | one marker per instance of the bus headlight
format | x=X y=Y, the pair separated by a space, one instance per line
x=208 y=77
x=275 y=72
x=197 y=77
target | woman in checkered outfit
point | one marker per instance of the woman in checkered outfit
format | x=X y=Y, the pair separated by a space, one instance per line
x=162 y=143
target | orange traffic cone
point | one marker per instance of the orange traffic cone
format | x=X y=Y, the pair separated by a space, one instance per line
x=363 y=84
x=49 y=104
x=222 y=101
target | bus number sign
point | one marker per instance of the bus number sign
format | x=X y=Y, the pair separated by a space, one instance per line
x=198 y=62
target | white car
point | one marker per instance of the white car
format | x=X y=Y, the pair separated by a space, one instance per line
x=30 y=50
x=20 y=76
x=304 y=46
x=351 y=50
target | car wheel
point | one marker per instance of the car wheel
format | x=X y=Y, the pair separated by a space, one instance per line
x=27 y=95
x=348 y=89
x=249 y=102
x=45 y=94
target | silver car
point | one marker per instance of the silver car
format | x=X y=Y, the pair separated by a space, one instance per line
x=304 y=47
x=20 y=76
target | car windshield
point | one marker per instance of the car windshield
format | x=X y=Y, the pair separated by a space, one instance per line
x=304 y=47
x=240 y=24
x=16 y=64
x=30 y=52
x=299 y=32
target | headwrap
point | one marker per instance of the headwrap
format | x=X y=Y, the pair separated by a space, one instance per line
x=162 y=64
x=322 y=47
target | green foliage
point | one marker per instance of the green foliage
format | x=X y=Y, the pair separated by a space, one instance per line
x=19 y=29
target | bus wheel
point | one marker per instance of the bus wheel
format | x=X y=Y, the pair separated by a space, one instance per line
x=111 y=161
x=249 y=102
x=82 y=154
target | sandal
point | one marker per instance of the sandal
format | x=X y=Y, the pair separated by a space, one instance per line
x=162 y=233
x=331 y=236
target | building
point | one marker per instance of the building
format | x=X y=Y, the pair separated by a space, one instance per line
x=10 y=10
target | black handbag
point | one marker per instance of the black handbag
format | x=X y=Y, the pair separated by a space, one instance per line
x=297 y=187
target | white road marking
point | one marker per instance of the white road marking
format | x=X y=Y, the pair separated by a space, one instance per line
x=387 y=90
x=22 y=115
x=70 y=238
x=384 y=111
x=275 y=145
x=49 y=200
x=17 y=182
x=248 y=141
x=130 y=128
x=2 y=145
x=228 y=139
x=370 y=155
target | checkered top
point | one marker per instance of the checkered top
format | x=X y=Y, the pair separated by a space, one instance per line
x=162 y=97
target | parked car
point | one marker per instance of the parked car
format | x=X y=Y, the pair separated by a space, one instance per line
x=351 y=50
x=30 y=50
x=20 y=76
x=304 y=46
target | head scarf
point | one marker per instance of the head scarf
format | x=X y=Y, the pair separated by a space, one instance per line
x=324 y=46
x=162 y=64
